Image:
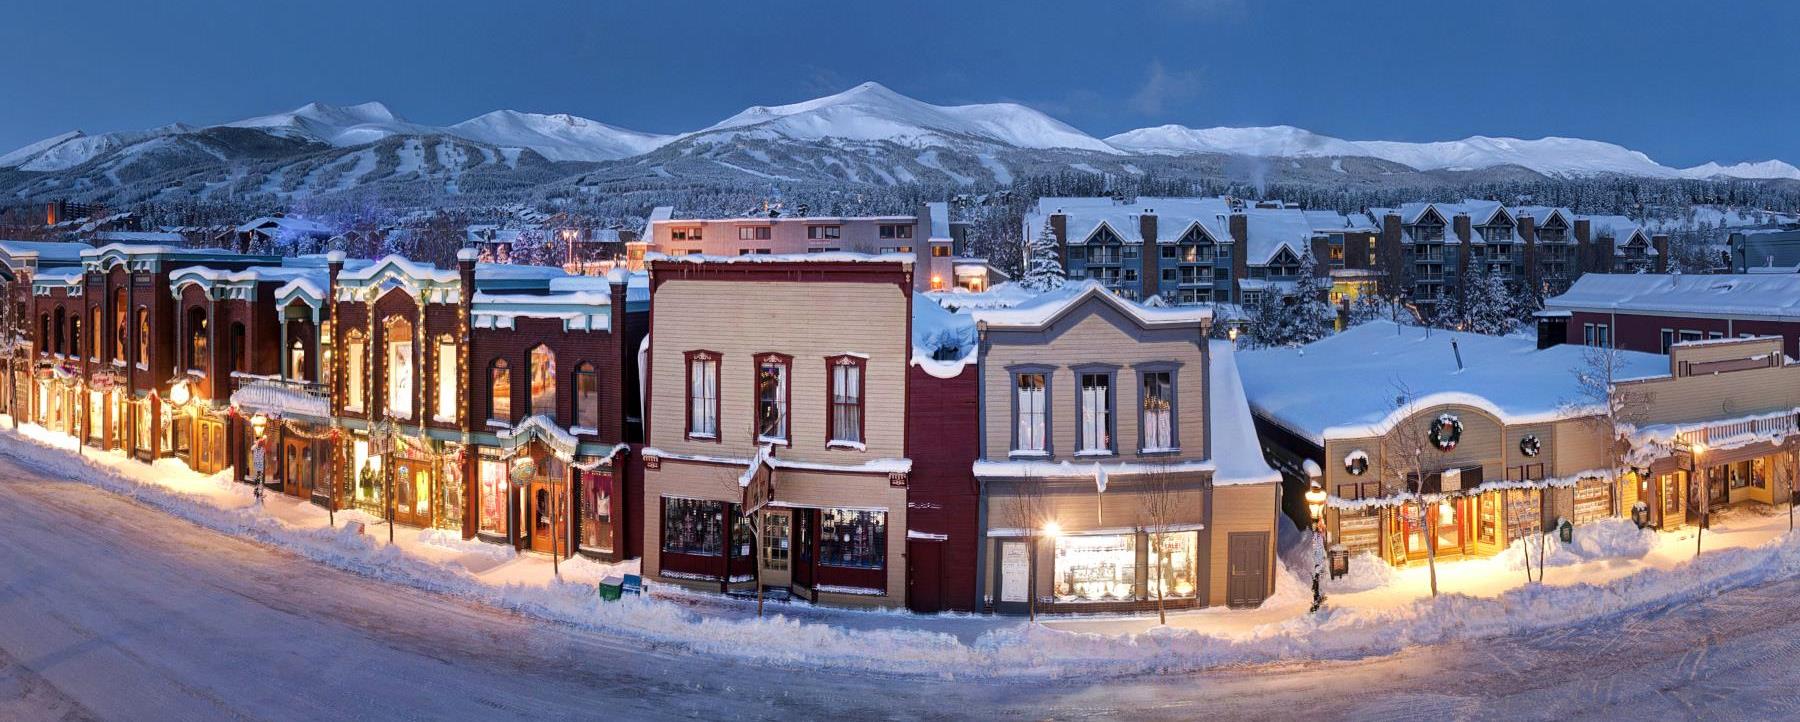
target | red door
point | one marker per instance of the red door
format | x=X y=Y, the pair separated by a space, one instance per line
x=924 y=575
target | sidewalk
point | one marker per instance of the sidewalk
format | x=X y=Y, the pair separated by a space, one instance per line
x=1376 y=610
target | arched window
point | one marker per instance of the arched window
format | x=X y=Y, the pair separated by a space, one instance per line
x=587 y=397
x=197 y=335
x=297 y=361
x=543 y=382
x=75 y=334
x=448 y=381
x=401 y=371
x=121 y=314
x=56 y=331
x=356 y=370
x=500 y=391
x=143 y=330
x=44 y=333
x=99 y=341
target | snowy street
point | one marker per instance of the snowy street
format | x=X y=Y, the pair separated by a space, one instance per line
x=117 y=611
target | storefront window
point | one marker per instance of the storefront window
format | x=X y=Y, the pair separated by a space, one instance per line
x=743 y=536
x=693 y=526
x=1096 y=568
x=1172 y=564
x=853 y=538
x=450 y=491
x=493 y=496
x=596 y=511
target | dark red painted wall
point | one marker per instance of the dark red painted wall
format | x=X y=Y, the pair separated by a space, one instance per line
x=942 y=496
x=1643 y=332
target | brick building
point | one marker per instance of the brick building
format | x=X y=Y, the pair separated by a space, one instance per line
x=1652 y=312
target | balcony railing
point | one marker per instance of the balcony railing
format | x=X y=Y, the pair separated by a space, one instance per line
x=1738 y=432
x=255 y=392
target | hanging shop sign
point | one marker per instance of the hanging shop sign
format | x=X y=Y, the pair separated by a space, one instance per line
x=1446 y=431
x=761 y=489
x=523 y=470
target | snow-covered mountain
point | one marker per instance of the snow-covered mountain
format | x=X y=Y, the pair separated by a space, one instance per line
x=870 y=112
x=1562 y=157
x=558 y=137
x=868 y=135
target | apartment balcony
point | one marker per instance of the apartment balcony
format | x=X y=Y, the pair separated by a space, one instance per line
x=284 y=397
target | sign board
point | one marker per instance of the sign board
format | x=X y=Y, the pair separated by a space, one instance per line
x=761 y=489
x=897 y=479
x=1340 y=561
x=1361 y=533
x=1015 y=572
x=1451 y=480
x=381 y=444
x=256 y=459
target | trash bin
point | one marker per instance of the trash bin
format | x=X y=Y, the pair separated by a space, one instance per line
x=1340 y=561
x=1565 y=531
x=1640 y=514
x=610 y=588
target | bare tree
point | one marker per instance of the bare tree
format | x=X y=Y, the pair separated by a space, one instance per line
x=1159 y=506
x=1607 y=406
x=1403 y=459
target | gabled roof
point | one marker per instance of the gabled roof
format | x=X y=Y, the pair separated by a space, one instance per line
x=1044 y=310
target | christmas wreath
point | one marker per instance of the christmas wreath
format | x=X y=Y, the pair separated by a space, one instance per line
x=1446 y=431
x=1530 y=446
x=1356 y=462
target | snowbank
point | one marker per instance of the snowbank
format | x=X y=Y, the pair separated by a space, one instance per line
x=1012 y=651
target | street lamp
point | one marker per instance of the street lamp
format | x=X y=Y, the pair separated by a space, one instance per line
x=179 y=394
x=259 y=426
x=1232 y=333
x=1315 y=504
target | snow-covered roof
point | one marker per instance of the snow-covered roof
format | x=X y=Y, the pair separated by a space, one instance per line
x=1268 y=229
x=833 y=257
x=933 y=326
x=1761 y=295
x=1237 y=454
x=286 y=224
x=940 y=220
x=1621 y=229
x=1346 y=385
x=43 y=250
x=139 y=237
x=1049 y=306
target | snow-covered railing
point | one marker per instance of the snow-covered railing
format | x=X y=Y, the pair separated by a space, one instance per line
x=287 y=397
x=1652 y=442
x=1752 y=429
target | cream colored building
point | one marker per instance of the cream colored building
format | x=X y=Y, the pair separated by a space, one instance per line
x=786 y=376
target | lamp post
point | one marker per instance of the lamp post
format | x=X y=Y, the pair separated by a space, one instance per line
x=259 y=426
x=1703 y=493
x=1315 y=505
x=1052 y=531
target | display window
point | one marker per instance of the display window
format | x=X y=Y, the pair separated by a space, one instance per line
x=853 y=538
x=693 y=526
x=596 y=511
x=1173 y=564
x=1096 y=568
x=491 y=487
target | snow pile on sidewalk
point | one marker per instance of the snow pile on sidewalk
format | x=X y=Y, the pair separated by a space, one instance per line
x=1604 y=539
x=1014 y=650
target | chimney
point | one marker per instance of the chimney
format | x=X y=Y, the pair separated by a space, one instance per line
x=1239 y=224
x=1149 y=256
x=1584 y=246
x=1059 y=224
x=1460 y=223
x=1528 y=234
x=1321 y=253
x=1388 y=252
x=1660 y=242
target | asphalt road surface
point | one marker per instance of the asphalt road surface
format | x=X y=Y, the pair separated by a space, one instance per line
x=109 y=610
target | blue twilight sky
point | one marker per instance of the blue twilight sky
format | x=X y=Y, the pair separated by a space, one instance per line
x=1684 y=82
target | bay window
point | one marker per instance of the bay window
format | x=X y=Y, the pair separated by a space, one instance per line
x=1158 y=428
x=543 y=382
x=1095 y=430
x=693 y=526
x=587 y=398
x=1032 y=421
x=355 y=370
x=846 y=392
x=703 y=395
x=853 y=538
x=500 y=391
x=772 y=394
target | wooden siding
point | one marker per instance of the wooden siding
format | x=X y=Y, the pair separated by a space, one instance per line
x=1100 y=338
x=809 y=321
x=1240 y=508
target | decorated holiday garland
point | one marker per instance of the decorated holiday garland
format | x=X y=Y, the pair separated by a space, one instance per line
x=1530 y=446
x=1356 y=462
x=1446 y=431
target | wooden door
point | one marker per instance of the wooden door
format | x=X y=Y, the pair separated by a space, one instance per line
x=540 y=517
x=924 y=588
x=1247 y=561
x=777 y=556
x=412 y=492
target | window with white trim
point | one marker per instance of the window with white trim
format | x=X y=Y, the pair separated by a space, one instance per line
x=1096 y=414
x=772 y=373
x=703 y=395
x=1033 y=419
x=846 y=400
x=1159 y=411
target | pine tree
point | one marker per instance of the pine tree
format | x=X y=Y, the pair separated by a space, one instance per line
x=1043 y=269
